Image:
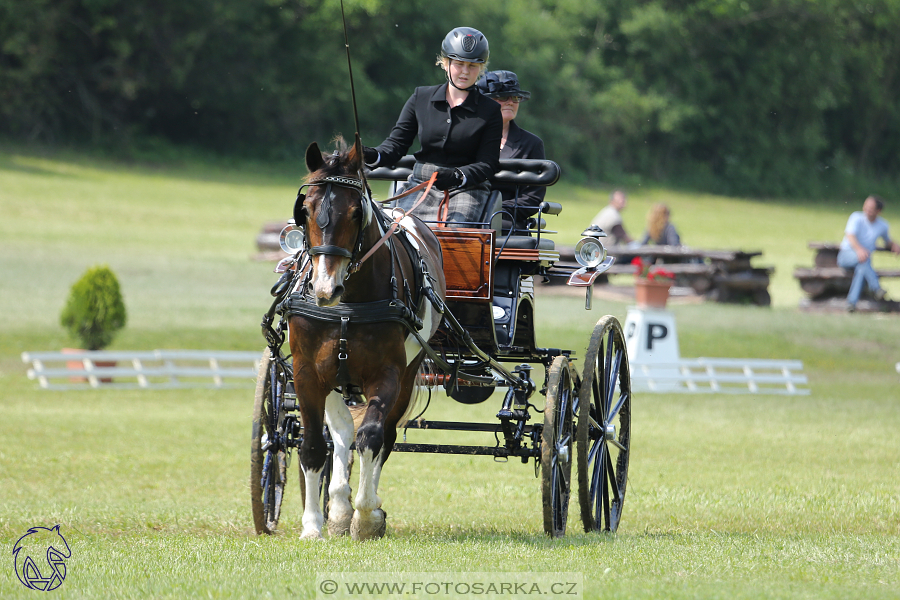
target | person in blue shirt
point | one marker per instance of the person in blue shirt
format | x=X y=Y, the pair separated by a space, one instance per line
x=863 y=230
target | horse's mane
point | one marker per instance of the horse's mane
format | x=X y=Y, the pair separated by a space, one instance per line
x=339 y=163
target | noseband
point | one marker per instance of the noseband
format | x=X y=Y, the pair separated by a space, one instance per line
x=324 y=215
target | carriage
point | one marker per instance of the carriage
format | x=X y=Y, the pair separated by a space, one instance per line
x=485 y=340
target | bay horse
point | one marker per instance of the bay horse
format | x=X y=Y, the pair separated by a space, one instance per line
x=346 y=336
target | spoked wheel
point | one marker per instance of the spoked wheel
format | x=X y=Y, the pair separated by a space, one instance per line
x=268 y=459
x=604 y=428
x=557 y=439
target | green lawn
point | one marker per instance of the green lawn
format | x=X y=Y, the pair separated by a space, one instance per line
x=728 y=496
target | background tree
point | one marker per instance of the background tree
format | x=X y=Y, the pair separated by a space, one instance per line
x=778 y=97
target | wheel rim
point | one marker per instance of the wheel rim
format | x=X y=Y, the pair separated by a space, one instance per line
x=604 y=428
x=557 y=445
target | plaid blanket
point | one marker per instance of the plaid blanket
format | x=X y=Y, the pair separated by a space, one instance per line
x=465 y=207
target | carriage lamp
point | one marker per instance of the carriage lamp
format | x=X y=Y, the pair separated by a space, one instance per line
x=589 y=252
x=291 y=239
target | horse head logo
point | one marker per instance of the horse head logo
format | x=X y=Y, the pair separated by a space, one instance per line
x=50 y=549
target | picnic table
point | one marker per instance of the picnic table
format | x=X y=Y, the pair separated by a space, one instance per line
x=719 y=275
x=826 y=280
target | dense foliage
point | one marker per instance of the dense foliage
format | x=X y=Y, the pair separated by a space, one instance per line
x=751 y=96
x=94 y=312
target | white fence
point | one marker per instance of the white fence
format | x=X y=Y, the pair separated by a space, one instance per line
x=155 y=369
x=721 y=376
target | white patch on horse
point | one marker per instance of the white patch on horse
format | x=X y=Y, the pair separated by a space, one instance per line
x=312 y=512
x=340 y=425
x=325 y=283
x=368 y=519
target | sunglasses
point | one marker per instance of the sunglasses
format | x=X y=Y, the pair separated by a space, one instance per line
x=502 y=99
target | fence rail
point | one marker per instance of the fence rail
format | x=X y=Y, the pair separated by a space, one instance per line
x=721 y=376
x=155 y=369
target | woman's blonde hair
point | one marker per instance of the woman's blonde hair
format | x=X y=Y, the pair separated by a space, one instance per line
x=444 y=63
x=656 y=220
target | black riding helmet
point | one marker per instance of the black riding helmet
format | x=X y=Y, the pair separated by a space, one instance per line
x=500 y=84
x=466 y=43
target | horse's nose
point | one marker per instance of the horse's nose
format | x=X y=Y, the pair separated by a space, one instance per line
x=325 y=299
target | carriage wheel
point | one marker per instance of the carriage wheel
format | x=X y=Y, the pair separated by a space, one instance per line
x=268 y=462
x=604 y=428
x=557 y=440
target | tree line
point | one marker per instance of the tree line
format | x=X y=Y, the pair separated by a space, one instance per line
x=763 y=97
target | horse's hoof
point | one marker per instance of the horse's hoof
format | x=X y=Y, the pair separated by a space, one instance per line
x=339 y=527
x=372 y=528
x=340 y=514
x=312 y=536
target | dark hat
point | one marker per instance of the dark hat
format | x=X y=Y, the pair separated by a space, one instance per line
x=465 y=43
x=496 y=84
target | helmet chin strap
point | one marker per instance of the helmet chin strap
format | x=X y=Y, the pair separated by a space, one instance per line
x=450 y=81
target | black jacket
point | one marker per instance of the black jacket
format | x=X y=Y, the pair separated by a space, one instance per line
x=521 y=144
x=466 y=136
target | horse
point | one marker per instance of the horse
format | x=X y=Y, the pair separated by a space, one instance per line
x=348 y=336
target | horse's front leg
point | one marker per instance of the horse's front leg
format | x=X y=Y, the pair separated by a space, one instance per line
x=369 y=518
x=313 y=452
x=340 y=424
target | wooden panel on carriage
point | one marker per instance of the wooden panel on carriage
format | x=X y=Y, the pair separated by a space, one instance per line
x=468 y=262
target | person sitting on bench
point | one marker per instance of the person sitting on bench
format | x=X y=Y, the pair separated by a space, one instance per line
x=860 y=237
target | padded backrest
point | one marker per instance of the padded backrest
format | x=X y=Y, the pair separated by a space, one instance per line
x=513 y=171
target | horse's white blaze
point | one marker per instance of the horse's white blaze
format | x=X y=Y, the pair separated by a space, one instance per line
x=340 y=424
x=367 y=498
x=325 y=283
x=312 y=512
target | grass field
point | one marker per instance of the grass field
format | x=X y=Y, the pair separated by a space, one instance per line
x=728 y=497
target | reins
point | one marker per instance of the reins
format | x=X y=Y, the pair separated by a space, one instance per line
x=395 y=224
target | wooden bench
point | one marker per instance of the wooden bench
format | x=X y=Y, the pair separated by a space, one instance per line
x=719 y=275
x=826 y=280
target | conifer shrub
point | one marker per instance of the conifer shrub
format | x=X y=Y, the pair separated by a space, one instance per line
x=95 y=310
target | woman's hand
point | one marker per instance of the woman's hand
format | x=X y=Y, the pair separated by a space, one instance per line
x=448 y=178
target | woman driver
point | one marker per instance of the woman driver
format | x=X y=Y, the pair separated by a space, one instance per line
x=459 y=132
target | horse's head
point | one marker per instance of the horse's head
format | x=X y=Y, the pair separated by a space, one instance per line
x=334 y=211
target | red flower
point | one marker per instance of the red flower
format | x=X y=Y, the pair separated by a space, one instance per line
x=647 y=271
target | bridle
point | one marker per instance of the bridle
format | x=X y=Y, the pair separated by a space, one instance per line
x=323 y=216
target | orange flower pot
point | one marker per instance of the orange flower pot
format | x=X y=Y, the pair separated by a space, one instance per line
x=651 y=294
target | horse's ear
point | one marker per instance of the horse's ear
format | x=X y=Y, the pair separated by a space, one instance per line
x=354 y=158
x=314 y=160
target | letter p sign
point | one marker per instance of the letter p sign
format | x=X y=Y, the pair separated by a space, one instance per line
x=655 y=331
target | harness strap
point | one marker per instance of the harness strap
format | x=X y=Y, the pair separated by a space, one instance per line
x=333 y=250
x=380 y=311
x=343 y=371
